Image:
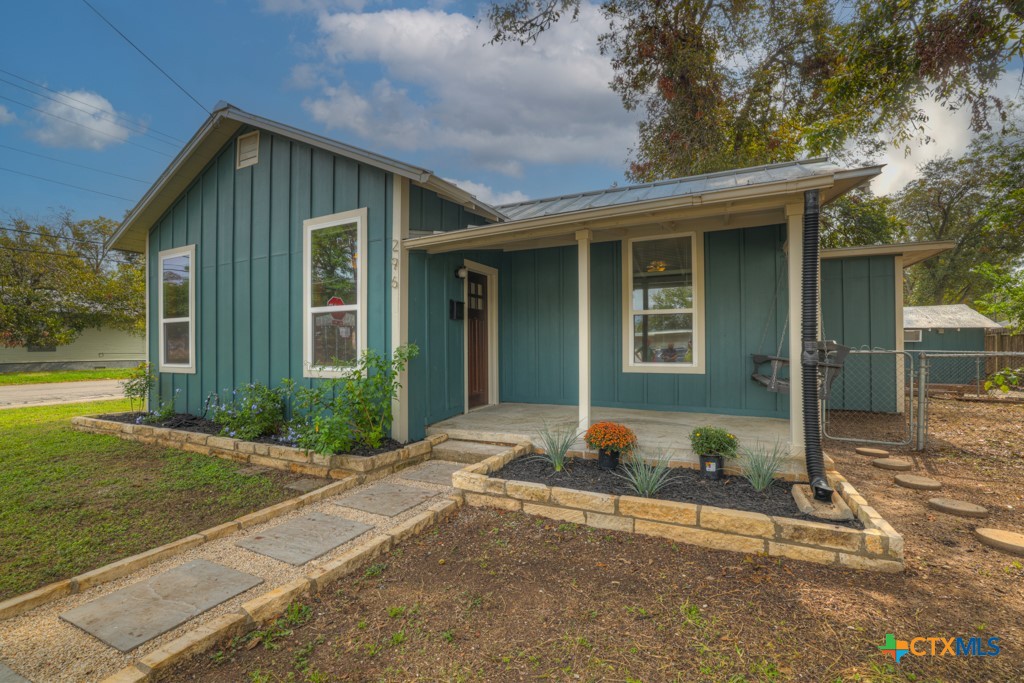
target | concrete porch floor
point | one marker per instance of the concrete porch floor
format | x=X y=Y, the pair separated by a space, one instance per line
x=659 y=432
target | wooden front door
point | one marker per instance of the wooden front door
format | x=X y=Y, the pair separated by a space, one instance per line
x=476 y=339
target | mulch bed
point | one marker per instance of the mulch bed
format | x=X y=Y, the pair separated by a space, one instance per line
x=201 y=425
x=687 y=486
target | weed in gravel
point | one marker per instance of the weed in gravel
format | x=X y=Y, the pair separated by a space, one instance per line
x=375 y=570
x=297 y=614
x=395 y=612
x=259 y=676
x=398 y=638
x=448 y=636
x=691 y=615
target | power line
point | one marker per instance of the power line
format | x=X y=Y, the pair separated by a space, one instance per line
x=130 y=125
x=75 y=99
x=71 y=163
x=57 y=182
x=82 y=125
x=58 y=236
x=58 y=253
x=148 y=58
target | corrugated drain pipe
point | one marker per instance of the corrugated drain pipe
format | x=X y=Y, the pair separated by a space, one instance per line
x=809 y=359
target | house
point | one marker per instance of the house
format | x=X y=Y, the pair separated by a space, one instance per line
x=948 y=328
x=642 y=303
x=103 y=347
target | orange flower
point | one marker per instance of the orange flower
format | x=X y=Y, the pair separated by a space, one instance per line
x=610 y=436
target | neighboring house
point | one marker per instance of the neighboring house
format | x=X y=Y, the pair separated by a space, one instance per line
x=95 y=348
x=953 y=327
x=271 y=250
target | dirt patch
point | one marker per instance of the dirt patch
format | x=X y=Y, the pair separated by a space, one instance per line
x=686 y=486
x=493 y=596
x=201 y=425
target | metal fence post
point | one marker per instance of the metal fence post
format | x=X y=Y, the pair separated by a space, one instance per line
x=922 y=400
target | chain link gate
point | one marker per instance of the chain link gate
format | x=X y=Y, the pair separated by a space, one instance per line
x=873 y=400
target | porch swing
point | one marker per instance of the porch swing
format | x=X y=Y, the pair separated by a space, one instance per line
x=830 y=356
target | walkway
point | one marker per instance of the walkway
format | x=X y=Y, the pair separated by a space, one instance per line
x=96 y=633
x=20 y=395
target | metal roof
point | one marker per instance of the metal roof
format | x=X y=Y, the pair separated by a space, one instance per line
x=912 y=252
x=955 y=316
x=664 y=189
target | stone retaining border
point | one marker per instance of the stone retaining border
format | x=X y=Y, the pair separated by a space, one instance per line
x=115 y=570
x=877 y=547
x=286 y=458
x=267 y=607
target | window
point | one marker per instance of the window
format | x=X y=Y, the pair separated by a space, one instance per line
x=662 y=304
x=334 y=292
x=177 y=305
x=912 y=336
x=247 y=150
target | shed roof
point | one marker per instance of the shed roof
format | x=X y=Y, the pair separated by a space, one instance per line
x=957 y=316
x=225 y=121
x=912 y=252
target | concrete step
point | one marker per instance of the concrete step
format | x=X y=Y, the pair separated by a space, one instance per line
x=468 y=452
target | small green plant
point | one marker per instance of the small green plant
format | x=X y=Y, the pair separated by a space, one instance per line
x=398 y=637
x=395 y=612
x=448 y=636
x=254 y=410
x=760 y=465
x=297 y=614
x=646 y=476
x=708 y=440
x=164 y=411
x=259 y=676
x=1005 y=380
x=557 y=440
x=374 y=570
x=137 y=386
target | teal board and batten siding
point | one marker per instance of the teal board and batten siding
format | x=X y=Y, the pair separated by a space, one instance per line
x=746 y=304
x=952 y=370
x=858 y=309
x=247 y=228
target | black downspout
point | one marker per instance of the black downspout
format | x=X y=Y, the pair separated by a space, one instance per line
x=809 y=357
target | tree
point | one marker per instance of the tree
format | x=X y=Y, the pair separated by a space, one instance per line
x=1004 y=301
x=732 y=83
x=59 y=278
x=860 y=218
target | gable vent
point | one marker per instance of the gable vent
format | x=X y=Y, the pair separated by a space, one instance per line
x=247 y=150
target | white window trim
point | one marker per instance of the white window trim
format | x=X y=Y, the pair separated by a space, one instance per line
x=193 y=272
x=629 y=364
x=357 y=216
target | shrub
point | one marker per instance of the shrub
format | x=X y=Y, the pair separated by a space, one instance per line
x=255 y=410
x=1004 y=380
x=557 y=441
x=760 y=465
x=341 y=413
x=611 y=436
x=137 y=386
x=710 y=440
x=646 y=476
x=163 y=411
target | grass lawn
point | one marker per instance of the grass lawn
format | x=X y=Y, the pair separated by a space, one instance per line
x=62 y=376
x=73 y=501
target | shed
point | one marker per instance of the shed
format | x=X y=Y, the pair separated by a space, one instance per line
x=952 y=327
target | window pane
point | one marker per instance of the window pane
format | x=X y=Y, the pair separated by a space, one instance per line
x=334 y=338
x=663 y=338
x=663 y=274
x=333 y=263
x=176 y=277
x=176 y=343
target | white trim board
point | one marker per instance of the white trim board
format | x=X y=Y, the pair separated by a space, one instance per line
x=492 y=334
x=193 y=273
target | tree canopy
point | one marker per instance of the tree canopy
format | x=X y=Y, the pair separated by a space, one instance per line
x=732 y=83
x=58 y=278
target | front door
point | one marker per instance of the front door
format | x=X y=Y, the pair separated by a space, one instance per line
x=476 y=339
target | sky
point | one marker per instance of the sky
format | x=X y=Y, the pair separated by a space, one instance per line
x=415 y=81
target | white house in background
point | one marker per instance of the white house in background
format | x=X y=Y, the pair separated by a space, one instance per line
x=95 y=348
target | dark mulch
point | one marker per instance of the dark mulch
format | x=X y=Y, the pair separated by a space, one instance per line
x=201 y=425
x=687 y=486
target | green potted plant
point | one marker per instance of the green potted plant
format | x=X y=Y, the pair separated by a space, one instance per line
x=611 y=440
x=713 y=445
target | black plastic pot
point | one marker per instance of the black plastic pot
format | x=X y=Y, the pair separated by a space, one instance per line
x=607 y=460
x=711 y=466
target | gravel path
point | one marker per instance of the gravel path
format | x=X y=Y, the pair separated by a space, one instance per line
x=42 y=648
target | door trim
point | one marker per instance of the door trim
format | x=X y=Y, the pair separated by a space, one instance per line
x=492 y=335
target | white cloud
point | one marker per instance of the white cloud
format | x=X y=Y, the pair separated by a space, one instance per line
x=305 y=77
x=297 y=6
x=444 y=87
x=86 y=119
x=487 y=194
x=6 y=115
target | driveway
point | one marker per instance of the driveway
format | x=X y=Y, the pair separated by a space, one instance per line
x=20 y=395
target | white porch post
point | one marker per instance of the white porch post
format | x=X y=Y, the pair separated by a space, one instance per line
x=583 y=271
x=400 y=301
x=794 y=261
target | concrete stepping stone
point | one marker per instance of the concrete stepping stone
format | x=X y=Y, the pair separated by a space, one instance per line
x=894 y=464
x=433 y=472
x=306 y=484
x=134 y=615
x=387 y=499
x=960 y=508
x=304 y=539
x=1007 y=541
x=867 y=450
x=8 y=676
x=914 y=481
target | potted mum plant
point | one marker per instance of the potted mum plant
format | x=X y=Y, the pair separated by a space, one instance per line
x=713 y=445
x=611 y=440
